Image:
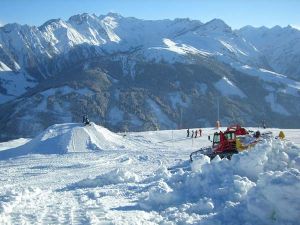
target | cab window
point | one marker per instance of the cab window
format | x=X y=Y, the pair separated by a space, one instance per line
x=216 y=138
x=230 y=136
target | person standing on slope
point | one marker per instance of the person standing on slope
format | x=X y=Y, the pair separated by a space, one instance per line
x=263 y=124
x=192 y=134
x=200 y=132
x=85 y=120
x=188 y=132
x=196 y=133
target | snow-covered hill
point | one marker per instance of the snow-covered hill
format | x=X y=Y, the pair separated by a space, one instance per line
x=146 y=178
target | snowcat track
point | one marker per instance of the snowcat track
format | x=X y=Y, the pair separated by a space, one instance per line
x=204 y=151
x=212 y=155
x=222 y=155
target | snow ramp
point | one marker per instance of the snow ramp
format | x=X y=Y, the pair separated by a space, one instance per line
x=69 y=137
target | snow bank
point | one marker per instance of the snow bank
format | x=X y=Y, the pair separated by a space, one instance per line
x=72 y=137
x=113 y=177
x=262 y=185
x=276 y=197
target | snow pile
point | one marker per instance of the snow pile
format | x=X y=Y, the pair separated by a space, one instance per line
x=262 y=185
x=116 y=176
x=276 y=197
x=72 y=137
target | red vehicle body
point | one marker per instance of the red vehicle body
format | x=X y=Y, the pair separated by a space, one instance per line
x=226 y=141
x=223 y=143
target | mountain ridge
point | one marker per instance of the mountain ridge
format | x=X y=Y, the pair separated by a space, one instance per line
x=114 y=56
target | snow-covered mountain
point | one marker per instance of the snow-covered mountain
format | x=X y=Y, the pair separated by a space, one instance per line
x=128 y=73
x=32 y=47
x=280 y=46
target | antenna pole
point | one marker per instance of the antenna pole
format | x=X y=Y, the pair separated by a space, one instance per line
x=180 y=125
x=218 y=109
x=218 y=121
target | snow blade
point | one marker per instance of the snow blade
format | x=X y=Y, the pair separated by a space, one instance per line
x=204 y=151
x=208 y=152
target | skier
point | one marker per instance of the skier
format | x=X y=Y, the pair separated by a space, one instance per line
x=188 y=132
x=196 y=133
x=192 y=134
x=200 y=132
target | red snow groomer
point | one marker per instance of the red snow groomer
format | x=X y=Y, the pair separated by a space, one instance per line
x=227 y=143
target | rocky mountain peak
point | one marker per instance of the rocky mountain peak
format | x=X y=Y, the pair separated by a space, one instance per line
x=53 y=23
x=82 y=18
x=114 y=15
x=217 y=25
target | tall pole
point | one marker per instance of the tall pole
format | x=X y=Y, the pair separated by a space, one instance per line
x=173 y=139
x=218 y=121
x=218 y=109
x=180 y=123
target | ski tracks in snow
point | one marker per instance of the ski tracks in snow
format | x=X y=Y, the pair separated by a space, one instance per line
x=36 y=206
x=95 y=187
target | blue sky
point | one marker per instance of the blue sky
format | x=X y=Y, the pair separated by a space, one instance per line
x=236 y=13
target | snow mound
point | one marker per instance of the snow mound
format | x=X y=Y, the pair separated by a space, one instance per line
x=262 y=184
x=278 y=194
x=70 y=137
x=117 y=176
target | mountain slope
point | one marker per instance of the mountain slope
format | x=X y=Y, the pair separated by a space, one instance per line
x=281 y=47
x=136 y=74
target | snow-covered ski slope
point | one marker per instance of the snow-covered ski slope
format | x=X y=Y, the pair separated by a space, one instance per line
x=71 y=174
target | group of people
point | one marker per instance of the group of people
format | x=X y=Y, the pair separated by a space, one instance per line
x=194 y=133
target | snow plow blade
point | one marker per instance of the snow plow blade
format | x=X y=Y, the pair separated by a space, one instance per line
x=204 y=151
x=208 y=152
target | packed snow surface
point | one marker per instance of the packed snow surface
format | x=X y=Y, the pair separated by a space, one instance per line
x=74 y=174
